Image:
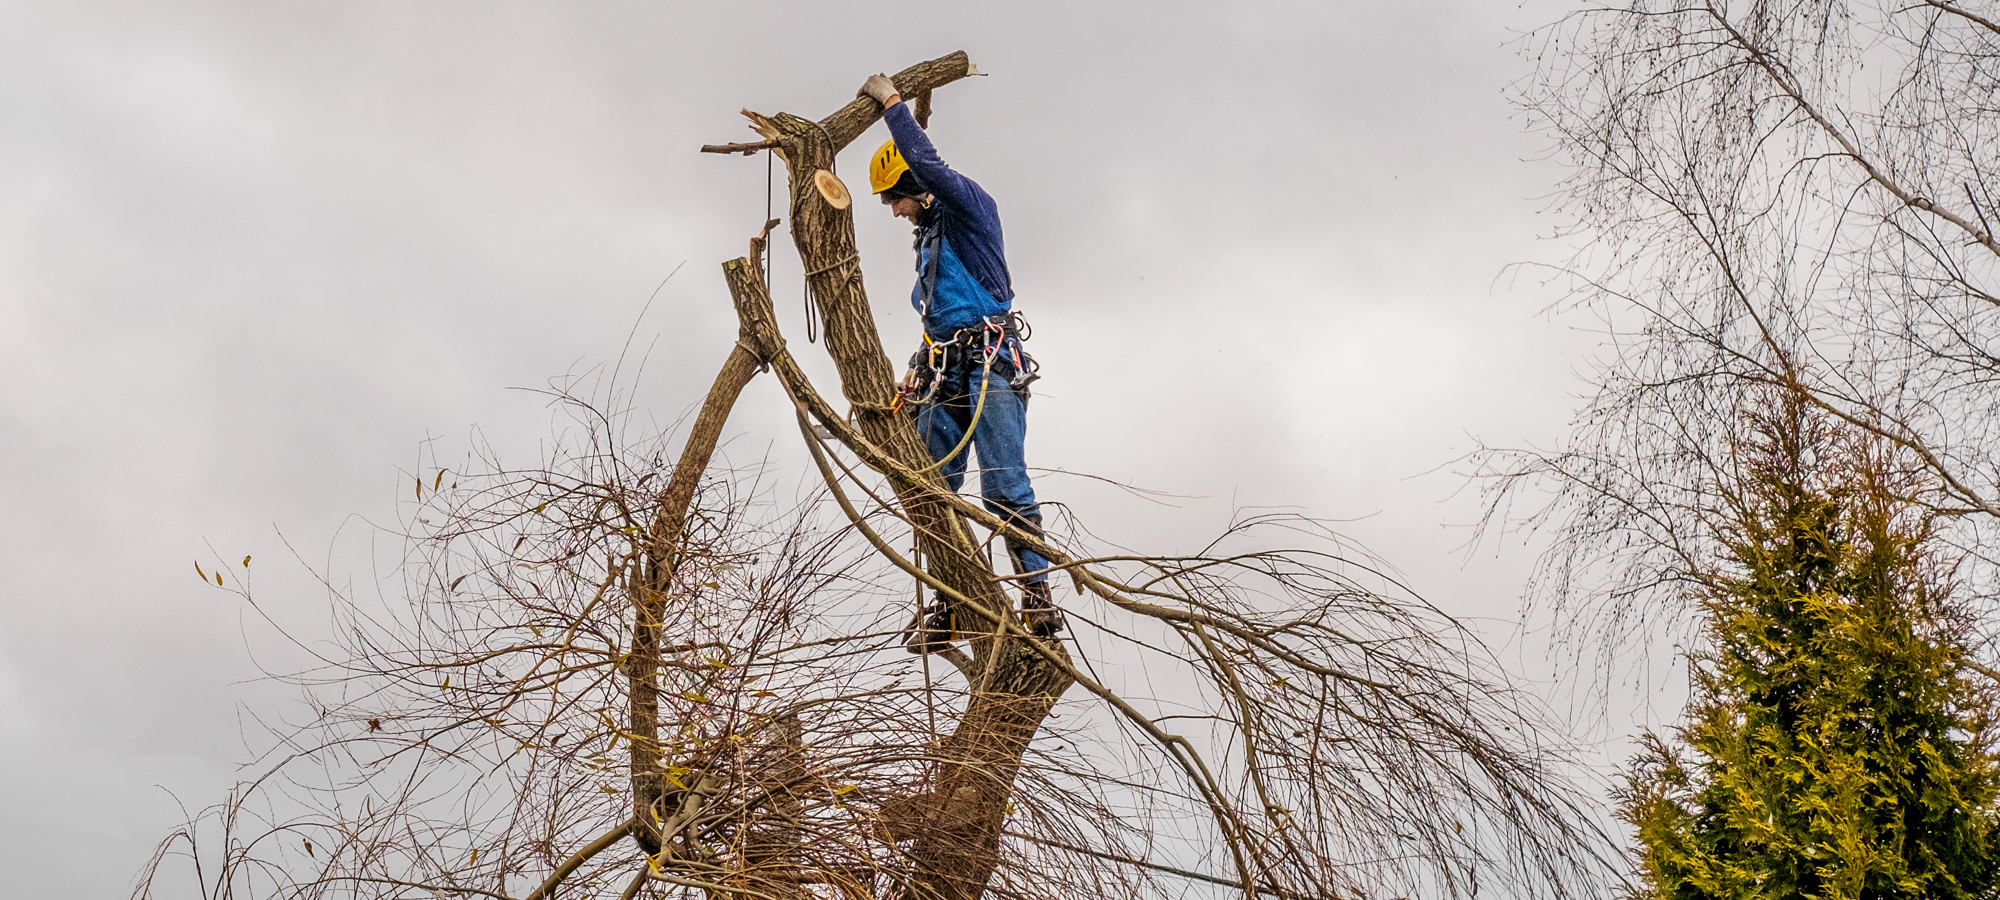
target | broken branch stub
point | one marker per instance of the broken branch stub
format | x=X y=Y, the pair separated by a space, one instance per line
x=745 y=149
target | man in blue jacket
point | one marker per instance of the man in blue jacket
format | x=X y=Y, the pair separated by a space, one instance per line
x=970 y=379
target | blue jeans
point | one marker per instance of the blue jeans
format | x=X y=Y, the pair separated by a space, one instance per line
x=998 y=437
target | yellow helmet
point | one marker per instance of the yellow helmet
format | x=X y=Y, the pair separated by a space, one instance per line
x=886 y=167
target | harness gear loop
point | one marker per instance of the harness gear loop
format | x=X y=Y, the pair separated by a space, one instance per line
x=919 y=386
x=992 y=334
x=996 y=336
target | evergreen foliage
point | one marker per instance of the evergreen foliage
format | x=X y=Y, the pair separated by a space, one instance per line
x=1831 y=748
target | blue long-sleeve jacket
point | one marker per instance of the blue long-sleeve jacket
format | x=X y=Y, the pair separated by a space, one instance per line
x=967 y=280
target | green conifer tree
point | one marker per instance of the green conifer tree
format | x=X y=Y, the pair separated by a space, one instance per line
x=1833 y=746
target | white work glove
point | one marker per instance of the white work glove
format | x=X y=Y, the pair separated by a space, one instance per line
x=879 y=87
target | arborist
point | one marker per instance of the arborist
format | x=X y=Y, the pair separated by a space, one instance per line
x=969 y=380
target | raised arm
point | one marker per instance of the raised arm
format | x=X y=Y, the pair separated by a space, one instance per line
x=949 y=187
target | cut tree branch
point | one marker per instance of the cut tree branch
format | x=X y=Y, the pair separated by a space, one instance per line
x=745 y=149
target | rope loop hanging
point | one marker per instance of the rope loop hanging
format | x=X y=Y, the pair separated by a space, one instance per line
x=812 y=310
x=822 y=270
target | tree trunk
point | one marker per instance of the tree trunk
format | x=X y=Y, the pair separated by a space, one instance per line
x=1012 y=688
x=659 y=559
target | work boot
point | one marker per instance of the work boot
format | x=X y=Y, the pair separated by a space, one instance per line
x=930 y=630
x=1039 y=610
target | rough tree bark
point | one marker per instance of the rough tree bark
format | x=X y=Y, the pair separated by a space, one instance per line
x=656 y=576
x=955 y=848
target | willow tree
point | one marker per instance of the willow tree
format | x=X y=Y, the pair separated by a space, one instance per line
x=619 y=675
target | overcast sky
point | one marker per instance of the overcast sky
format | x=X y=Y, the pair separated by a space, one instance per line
x=253 y=256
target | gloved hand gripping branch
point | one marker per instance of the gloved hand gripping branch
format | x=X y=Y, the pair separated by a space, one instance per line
x=879 y=87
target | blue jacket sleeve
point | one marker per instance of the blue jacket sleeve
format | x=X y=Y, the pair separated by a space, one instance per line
x=951 y=188
x=971 y=222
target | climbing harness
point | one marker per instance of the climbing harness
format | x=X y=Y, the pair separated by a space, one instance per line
x=929 y=245
x=996 y=337
x=1026 y=370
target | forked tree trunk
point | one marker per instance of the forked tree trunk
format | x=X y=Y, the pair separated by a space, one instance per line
x=954 y=850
